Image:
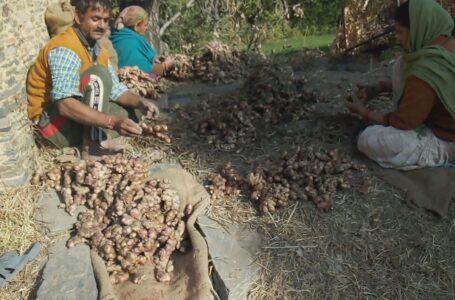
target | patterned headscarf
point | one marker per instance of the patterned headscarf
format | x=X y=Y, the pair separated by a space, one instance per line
x=130 y=16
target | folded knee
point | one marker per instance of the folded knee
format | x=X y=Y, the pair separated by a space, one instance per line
x=362 y=141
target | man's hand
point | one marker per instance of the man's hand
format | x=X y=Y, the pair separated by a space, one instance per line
x=149 y=108
x=127 y=127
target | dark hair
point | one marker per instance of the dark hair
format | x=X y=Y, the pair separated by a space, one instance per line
x=83 y=5
x=402 y=15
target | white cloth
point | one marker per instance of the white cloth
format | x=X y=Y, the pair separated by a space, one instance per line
x=405 y=149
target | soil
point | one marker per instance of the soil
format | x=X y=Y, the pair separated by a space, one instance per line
x=372 y=245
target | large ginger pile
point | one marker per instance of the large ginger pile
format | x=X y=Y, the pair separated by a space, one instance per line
x=228 y=123
x=216 y=62
x=182 y=68
x=270 y=81
x=131 y=219
x=226 y=183
x=270 y=97
x=140 y=82
x=302 y=174
x=225 y=123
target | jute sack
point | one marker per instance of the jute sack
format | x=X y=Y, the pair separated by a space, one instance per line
x=190 y=279
x=58 y=17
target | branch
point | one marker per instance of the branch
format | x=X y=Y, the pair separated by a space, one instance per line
x=187 y=6
x=388 y=30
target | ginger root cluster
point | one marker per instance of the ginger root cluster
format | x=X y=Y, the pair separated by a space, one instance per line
x=302 y=174
x=132 y=219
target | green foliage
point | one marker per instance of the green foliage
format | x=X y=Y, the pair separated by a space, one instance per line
x=192 y=28
x=319 y=15
x=289 y=45
x=247 y=22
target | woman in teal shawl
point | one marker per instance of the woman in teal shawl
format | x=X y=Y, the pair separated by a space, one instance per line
x=130 y=44
x=421 y=132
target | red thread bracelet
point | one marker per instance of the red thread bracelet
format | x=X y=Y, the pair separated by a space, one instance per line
x=110 y=123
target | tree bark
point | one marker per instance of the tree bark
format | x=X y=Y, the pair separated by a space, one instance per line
x=174 y=18
x=153 y=33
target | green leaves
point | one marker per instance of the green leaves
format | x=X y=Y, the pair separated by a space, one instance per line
x=233 y=21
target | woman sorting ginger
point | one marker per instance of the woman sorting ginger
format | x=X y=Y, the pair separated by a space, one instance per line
x=132 y=47
x=421 y=132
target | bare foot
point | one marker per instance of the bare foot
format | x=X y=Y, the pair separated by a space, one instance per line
x=116 y=144
x=93 y=150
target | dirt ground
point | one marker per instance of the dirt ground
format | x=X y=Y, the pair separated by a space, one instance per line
x=370 y=246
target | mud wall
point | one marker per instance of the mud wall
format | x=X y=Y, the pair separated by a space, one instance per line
x=23 y=33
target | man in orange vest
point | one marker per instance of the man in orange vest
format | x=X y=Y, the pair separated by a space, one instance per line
x=74 y=95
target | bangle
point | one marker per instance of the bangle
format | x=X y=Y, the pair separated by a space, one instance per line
x=365 y=117
x=110 y=123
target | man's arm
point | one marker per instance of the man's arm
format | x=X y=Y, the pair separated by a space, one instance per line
x=82 y=113
x=85 y=115
x=65 y=66
x=128 y=99
x=124 y=97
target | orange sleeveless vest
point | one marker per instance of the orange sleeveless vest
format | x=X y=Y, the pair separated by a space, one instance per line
x=39 y=80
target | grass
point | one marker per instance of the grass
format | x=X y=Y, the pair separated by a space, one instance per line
x=288 y=45
x=18 y=232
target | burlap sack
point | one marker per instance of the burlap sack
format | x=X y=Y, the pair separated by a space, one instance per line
x=429 y=188
x=59 y=16
x=190 y=279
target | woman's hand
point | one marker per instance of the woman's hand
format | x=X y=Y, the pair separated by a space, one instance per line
x=168 y=63
x=149 y=108
x=367 y=92
x=159 y=59
x=355 y=105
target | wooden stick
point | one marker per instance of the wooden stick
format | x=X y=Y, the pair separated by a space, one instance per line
x=385 y=32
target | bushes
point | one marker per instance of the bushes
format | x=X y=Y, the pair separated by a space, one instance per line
x=245 y=22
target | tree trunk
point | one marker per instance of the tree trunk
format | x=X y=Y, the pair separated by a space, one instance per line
x=189 y=4
x=153 y=33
